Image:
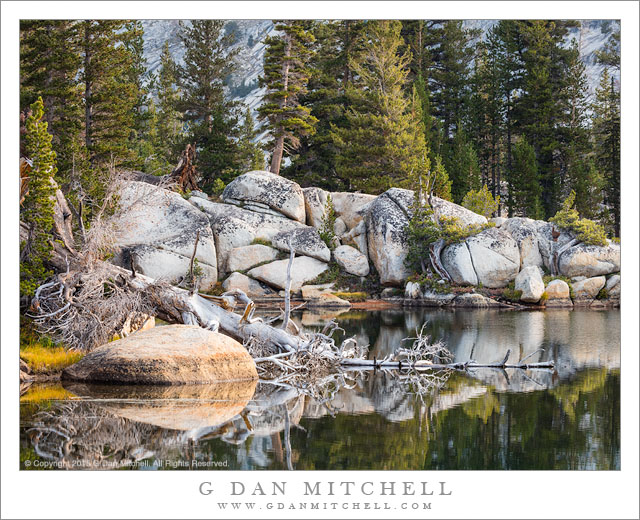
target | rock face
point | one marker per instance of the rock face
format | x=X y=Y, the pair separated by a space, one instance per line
x=547 y=245
x=243 y=258
x=495 y=256
x=525 y=233
x=444 y=208
x=174 y=354
x=303 y=270
x=351 y=207
x=589 y=261
x=314 y=204
x=558 y=294
x=613 y=286
x=456 y=259
x=305 y=241
x=321 y=296
x=586 y=290
x=264 y=192
x=530 y=283
x=236 y=227
x=157 y=231
x=386 y=221
x=351 y=260
x=252 y=288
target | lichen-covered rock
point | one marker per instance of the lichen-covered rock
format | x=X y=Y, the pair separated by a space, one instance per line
x=156 y=229
x=304 y=269
x=525 y=233
x=473 y=300
x=321 y=296
x=315 y=200
x=351 y=207
x=589 y=261
x=351 y=260
x=387 y=220
x=456 y=259
x=434 y=299
x=444 y=208
x=530 y=283
x=246 y=257
x=305 y=241
x=495 y=256
x=252 y=288
x=558 y=294
x=357 y=237
x=265 y=190
x=613 y=286
x=236 y=227
x=174 y=354
x=547 y=245
x=586 y=290
x=498 y=221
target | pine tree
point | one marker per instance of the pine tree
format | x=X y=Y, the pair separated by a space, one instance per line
x=110 y=92
x=382 y=143
x=251 y=157
x=606 y=136
x=38 y=206
x=49 y=65
x=286 y=74
x=169 y=124
x=524 y=183
x=212 y=118
x=462 y=165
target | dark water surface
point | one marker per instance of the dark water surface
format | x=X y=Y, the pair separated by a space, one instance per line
x=563 y=419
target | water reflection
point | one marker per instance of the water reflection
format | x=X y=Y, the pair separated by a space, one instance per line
x=491 y=419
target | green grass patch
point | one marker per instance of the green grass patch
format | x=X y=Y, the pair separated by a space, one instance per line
x=261 y=242
x=510 y=293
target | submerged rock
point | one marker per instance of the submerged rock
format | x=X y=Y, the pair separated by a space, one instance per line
x=170 y=355
x=265 y=191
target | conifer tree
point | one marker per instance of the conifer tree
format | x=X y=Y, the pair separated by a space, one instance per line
x=286 y=74
x=462 y=166
x=49 y=65
x=212 y=118
x=38 y=206
x=251 y=157
x=524 y=184
x=169 y=122
x=606 y=134
x=382 y=142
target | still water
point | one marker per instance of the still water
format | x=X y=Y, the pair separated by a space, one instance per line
x=567 y=418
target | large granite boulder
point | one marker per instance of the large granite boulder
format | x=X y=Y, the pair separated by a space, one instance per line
x=495 y=256
x=525 y=233
x=613 y=286
x=252 y=288
x=265 y=192
x=174 y=354
x=586 y=290
x=386 y=222
x=445 y=208
x=156 y=229
x=456 y=259
x=246 y=257
x=547 y=244
x=303 y=270
x=351 y=207
x=236 y=227
x=305 y=241
x=558 y=294
x=530 y=283
x=590 y=261
x=351 y=260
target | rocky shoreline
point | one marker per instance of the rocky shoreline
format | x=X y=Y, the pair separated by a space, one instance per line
x=242 y=241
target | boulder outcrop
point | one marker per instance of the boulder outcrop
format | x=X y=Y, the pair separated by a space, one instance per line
x=305 y=241
x=265 y=192
x=530 y=283
x=169 y=355
x=590 y=261
x=252 y=288
x=246 y=257
x=304 y=269
x=495 y=256
x=351 y=260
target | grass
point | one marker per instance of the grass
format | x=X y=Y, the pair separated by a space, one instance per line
x=38 y=393
x=511 y=293
x=352 y=296
x=46 y=360
x=261 y=242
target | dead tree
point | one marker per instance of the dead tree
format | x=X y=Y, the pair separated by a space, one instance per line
x=184 y=176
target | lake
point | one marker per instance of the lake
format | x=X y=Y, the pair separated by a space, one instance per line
x=566 y=418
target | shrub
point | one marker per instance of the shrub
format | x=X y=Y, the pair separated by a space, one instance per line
x=585 y=230
x=481 y=202
x=603 y=294
x=544 y=298
x=217 y=187
x=328 y=222
x=510 y=293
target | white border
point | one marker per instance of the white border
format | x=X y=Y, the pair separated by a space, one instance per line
x=496 y=494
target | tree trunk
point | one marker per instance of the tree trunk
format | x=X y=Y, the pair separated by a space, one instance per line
x=278 y=150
